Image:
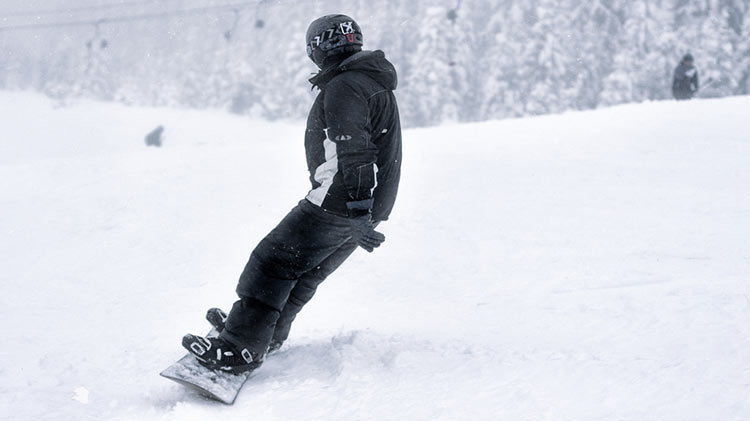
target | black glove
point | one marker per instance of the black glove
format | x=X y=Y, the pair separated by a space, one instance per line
x=363 y=229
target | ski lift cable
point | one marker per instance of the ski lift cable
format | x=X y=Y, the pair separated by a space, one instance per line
x=130 y=18
x=91 y=8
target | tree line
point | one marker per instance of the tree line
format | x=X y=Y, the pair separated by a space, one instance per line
x=458 y=60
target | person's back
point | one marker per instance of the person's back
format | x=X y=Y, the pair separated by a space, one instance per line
x=685 y=81
x=360 y=89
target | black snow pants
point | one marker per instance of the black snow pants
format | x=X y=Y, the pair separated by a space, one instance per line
x=283 y=274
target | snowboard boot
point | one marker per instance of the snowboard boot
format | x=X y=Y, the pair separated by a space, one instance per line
x=218 y=354
x=217 y=318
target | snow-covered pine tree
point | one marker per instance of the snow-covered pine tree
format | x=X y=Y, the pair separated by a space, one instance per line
x=434 y=90
x=460 y=60
x=503 y=84
x=712 y=30
x=643 y=64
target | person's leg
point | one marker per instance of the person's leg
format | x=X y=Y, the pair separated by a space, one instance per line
x=301 y=241
x=305 y=288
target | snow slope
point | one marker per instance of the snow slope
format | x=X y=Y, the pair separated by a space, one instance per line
x=581 y=266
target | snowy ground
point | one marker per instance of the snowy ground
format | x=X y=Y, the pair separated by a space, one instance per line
x=584 y=266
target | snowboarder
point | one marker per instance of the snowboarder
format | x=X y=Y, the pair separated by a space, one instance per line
x=685 y=82
x=353 y=147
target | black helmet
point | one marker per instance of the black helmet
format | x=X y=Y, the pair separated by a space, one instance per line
x=688 y=57
x=332 y=35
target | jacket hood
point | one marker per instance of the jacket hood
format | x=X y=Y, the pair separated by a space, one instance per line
x=371 y=63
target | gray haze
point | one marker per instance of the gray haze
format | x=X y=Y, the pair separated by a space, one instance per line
x=458 y=60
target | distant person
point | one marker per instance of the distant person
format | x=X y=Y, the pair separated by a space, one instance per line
x=154 y=138
x=685 y=82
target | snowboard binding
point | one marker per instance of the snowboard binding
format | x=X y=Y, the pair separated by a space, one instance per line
x=218 y=354
x=217 y=318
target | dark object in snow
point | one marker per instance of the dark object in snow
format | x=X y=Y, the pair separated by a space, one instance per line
x=685 y=81
x=353 y=149
x=154 y=138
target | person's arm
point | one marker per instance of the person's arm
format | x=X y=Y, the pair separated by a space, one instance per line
x=347 y=115
x=695 y=81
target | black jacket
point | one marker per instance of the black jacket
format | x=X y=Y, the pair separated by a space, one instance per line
x=353 y=138
x=685 y=81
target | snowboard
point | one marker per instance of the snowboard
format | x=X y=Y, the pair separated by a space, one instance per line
x=219 y=385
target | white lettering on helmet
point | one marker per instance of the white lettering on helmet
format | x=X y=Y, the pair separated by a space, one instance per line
x=346 y=27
